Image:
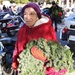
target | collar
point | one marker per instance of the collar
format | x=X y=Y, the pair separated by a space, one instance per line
x=42 y=20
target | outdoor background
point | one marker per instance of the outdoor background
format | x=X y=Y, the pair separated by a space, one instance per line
x=25 y=1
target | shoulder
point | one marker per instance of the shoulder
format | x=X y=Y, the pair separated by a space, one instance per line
x=23 y=28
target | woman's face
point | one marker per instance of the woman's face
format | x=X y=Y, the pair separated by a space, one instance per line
x=30 y=17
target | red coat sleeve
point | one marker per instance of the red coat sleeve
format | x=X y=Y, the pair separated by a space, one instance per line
x=19 y=45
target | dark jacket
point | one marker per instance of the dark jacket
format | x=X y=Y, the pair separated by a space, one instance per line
x=54 y=11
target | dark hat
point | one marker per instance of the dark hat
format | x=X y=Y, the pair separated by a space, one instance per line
x=53 y=3
x=34 y=6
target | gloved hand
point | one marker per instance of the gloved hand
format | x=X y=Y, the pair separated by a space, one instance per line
x=14 y=65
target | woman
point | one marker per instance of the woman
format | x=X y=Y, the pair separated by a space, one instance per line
x=36 y=26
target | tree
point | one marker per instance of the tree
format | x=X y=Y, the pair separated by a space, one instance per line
x=1 y=1
x=19 y=1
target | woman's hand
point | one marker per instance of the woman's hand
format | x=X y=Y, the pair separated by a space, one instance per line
x=14 y=65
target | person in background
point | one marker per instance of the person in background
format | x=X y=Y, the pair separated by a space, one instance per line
x=54 y=14
x=4 y=8
x=36 y=26
x=13 y=9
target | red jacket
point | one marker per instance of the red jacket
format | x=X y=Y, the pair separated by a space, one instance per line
x=42 y=29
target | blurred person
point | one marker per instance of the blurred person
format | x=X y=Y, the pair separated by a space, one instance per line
x=54 y=13
x=36 y=26
x=4 y=8
x=13 y=9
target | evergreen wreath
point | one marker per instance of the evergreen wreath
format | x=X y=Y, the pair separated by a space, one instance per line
x=58 y=56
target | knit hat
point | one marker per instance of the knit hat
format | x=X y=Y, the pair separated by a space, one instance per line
x=34 y=6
